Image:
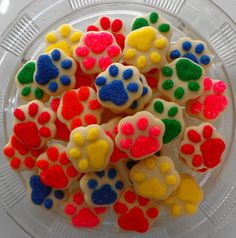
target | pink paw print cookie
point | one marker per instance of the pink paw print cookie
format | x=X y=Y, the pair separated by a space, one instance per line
x=211 y=103
x=96 y=51
x=140 y=135
x=202 y=147
x=34 y=124
x=115 y=26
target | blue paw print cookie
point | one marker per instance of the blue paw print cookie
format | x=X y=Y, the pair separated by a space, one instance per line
x=45 y=196
x=195 y=50
x=55 y=72
x=118 y=87
x=102 y=188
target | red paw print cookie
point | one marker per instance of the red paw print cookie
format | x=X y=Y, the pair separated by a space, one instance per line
x=202 y=147
x=79 y=108
x=211 y=103
x=135 y=213
x=20 y=157
x=140 y=135
x=115 y=26
x=81 y=214
x=96 y=51
x=55 y=169
x=34 y=124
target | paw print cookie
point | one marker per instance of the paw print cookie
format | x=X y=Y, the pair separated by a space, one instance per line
x=25 y=83
x=115 y=26
x=96 y=51
x=140 y=135
x=89 y=148
x=195 y=50
x=211 y=103
x=79 y=107
x=102 y=188
x=171 y=115
x=202 y=147
x=34 y=125
x=45 y=196
x=55 y=72
x=20 y=157
x=155 y=20
x=55 y=169
x=135 y=213
x=81 y=214
x=118 y=87
x=181 y=80
x=146 y=49
x=186 y=198
x=155 y=177
x=65 y=38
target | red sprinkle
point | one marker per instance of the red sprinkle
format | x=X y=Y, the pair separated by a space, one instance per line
x=130 y=196
x=116 y=25
x=187 y=149
x=19 y=114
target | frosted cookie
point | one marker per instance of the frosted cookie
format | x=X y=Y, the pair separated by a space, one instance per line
x=34 y=124
x=55 y=169
x=155 y=20
x=20 y=157
x=202 y=147
x=25 y=83
x=155 y=177
x=135 y=213
x=181 y=80
x=45 y=196
x=118 y=87
x=211 y=104
x=146 y=49
x=55 y=72
x=115 y=26
x=186 y=198
x=152 y=78
x=96 y=51
x=79 y=107
x=195 y=50
x=65 y=38
x=89 y=148
x=171 y=115
x=102 y=188
x=81 y=214
x=140 y=135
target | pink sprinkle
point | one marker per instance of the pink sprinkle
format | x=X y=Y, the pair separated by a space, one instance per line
x=196 y=107
x=104 y=62
x=142 y=123
x=155 y=131
x=89 y=62
x=82 y=51
x=207 y=84
x=219 y=87
x=126 y=143
x=113 y=51
x=92 y=28
x=127 y=129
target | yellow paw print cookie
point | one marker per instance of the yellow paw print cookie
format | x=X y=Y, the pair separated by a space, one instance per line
x=186 y=198
x=146 y=49
x=89 y=148
x=65 y=38
x=155 y=177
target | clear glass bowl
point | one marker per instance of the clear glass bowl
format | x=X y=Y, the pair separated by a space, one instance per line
x=23 y=40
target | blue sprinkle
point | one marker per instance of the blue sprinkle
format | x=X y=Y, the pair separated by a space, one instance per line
x=134 y=105
x=113 y=70
x=199 y=48
x=65 y=80
x=66 y=64
x=127 y=74
x=53 y=86
x=119 y=185
x=34 y=181
x=100 y=174
x=92 y=184
x=59 y=194
x=112 y=173
x=174 y=54
x=191 y=57
x=56 y=54
x=48 y=203
x=133 y=87
x=100 y=81
x=145 y=91
x=205 y=59
x=187 y=45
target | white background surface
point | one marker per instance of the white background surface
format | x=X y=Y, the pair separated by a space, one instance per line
x=8 y=228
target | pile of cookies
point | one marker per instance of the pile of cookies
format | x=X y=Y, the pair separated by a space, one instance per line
x=102 y=106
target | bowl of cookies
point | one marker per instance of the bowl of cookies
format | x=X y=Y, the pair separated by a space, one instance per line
x=118 y=119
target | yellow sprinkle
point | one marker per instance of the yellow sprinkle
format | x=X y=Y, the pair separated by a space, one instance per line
x=176 y=210
x=169 y=200
x=130 y=53
x=171 y=179
x=51 y=37
x=62 y=45
x=78 y=139
x=190 y=208
x=164 y=167
x=74 y=153
x=75 y=37
x=150 y=163
x=83 y=164
x=160 y=43
x=155 y=57
x=139 y=177
x=65 y=30
x=141 y=62
x=93 y=134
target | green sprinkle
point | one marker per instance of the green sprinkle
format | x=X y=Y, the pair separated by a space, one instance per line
x=173 y=129
x=154 y=17
x=139 y=23
x=179 y=93
x=168 y=84
x=165 y=27
x=38 y=93
x=193 y=86
x=167 y=71
x=26 y=73
x=158 y=153
x=26 y=91
x=173 y=111
x=158 y=106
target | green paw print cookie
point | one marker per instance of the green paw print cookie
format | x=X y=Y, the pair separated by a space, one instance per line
x=155 y=20
x=171 y=115
x=181 y=80
x=25 y=83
